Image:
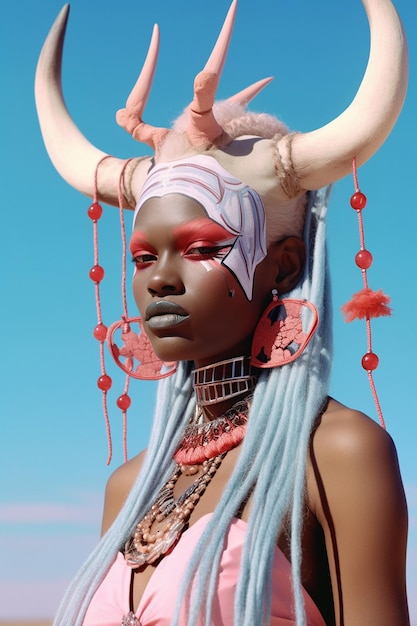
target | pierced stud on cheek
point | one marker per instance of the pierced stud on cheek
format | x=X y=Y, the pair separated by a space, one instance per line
x=225 y=274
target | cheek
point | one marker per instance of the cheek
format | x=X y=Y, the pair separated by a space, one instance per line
x=220 y=299
x=209 y=266
x=213 y=276
x=139 y=288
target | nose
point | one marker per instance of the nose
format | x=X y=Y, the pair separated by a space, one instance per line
x=165 y=278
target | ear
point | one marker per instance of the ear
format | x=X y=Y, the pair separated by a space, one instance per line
x=289 y=255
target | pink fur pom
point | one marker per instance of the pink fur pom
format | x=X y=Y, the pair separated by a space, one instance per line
x=366 y=304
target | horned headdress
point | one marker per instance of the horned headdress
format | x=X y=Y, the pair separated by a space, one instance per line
x=279 y=165
x=255 y=149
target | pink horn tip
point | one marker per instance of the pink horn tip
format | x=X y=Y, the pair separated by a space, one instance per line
x=217 y=58
x=203 y=127
x=130 y=118
x=249 y=93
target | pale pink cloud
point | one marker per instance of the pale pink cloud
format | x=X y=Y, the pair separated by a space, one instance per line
x=41 y=599
x=42 y=545
x=38 y=568
x=84 y=512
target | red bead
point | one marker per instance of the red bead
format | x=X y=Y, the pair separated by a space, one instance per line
x=363 y=259
x=358 y=201
x=97 y=273
x=104 y=382
x=100 y=332
x=95 y=211
x=370 y=361
x=123 y=402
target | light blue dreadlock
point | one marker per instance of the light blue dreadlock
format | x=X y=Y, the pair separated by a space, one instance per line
x=272 y=463
x=286 y=404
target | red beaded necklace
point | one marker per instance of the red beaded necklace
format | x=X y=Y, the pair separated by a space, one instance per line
x=205 y=440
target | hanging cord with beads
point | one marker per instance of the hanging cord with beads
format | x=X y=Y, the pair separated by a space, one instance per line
x=123 y=401
x=104 y=382
x=366 y=304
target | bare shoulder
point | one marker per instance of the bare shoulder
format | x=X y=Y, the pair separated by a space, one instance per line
x=355 y=491
x=349 y=447
x=118 y=487
x=344 y=433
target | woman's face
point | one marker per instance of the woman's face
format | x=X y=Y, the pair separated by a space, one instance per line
x=192 y=307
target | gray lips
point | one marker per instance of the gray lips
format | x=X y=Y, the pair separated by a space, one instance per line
x=166 y=321
x=163 y=314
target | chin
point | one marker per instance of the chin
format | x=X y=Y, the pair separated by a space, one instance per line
x=175 y=348
x=170 y=349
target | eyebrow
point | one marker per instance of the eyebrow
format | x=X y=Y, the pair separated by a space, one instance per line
x=201 y=227
x=138 y=238
x=185 y=233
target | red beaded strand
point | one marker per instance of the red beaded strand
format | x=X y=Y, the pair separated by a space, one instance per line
x=123 y=401
x=104 y=382
x=367 y=303
x=96 y=274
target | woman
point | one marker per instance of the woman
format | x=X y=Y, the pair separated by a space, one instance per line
x=259 y=500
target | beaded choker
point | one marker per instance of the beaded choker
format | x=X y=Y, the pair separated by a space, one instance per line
x=202 y=441
x=223 y=380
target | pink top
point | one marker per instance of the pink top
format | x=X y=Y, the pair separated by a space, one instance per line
x=111 y=600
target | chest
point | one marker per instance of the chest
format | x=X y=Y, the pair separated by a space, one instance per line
x=315 y=575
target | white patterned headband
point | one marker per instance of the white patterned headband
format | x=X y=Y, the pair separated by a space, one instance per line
x=227 y=201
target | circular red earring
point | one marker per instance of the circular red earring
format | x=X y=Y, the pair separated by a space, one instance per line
x=135 y=346
x=282 y=332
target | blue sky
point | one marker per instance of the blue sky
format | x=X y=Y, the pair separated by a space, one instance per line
x=52 y=445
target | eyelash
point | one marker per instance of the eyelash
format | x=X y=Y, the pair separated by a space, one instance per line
x=139 y=259
x=213 y=252
x=144 y=259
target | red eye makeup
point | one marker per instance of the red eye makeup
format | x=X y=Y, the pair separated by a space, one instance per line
x=202 y=233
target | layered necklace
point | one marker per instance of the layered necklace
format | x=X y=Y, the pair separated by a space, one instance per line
x=201 y=451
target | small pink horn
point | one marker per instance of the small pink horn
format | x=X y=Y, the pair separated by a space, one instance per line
x=249 y=93
x=203 y=127
x=130 y=118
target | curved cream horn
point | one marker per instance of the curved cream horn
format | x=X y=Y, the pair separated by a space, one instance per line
x=72 y=154
x=325 y=155
x=318 y=158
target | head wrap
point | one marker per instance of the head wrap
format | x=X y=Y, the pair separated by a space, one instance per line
x=227 y=201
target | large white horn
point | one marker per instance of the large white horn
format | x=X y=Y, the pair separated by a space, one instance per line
x=72 y=154
x=323 y=156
